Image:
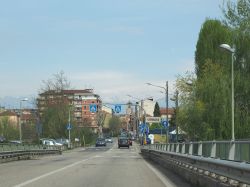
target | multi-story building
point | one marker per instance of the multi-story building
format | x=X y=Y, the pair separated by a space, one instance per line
x=79 y=101
x=11 y=116
x=164 y=112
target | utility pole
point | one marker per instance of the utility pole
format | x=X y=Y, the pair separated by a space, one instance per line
x=176 y=113
x=167 y=110
x=166 y=94
x=136 y=120
x=69 y=128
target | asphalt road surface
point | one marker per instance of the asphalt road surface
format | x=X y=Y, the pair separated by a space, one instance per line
x=90 y=167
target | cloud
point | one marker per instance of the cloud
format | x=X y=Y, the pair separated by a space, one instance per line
x=114 y=86
x=100 y=76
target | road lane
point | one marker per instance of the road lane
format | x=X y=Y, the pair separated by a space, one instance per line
x=86 y=167
x=12 y=173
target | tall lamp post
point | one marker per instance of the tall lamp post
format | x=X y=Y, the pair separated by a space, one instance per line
x=20 y=119
x=166 y=94
x=232 y=51
x=140 y=113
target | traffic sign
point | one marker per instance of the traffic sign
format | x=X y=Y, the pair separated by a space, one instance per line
x=118 y=108
x=142 y=127
x=147 y=130
x=93 y=108
x=165 y=123
x=153 y=119
x=69 y=126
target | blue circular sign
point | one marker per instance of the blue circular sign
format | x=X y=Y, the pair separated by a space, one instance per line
x=165 y=123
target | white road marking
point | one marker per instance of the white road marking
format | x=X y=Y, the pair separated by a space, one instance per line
x=51 y=173
x=116 y=156
x=98 y=156
x=134 y=156
x=165 y=181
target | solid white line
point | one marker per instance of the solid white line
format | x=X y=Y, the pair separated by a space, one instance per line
x=51 y=173
x=163 y=178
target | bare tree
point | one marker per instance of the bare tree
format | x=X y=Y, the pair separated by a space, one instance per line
x=57 y=83
x=53 y=106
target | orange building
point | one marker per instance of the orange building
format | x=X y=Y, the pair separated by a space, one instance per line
x=80 y=100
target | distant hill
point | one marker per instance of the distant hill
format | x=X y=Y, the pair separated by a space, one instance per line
x=10 y=102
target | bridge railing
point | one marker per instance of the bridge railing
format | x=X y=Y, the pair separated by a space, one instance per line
x=26 y=147
x=225 y=150
x=211 y=163
x=11 y=152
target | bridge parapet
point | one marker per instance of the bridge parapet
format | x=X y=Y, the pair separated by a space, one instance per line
x=211 y=163
x=225 y=150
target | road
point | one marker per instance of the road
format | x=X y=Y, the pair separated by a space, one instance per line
x=97 y=167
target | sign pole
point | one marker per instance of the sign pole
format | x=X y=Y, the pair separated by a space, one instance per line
x=69 y=129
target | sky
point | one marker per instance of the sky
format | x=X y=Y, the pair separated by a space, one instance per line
x=112 y=46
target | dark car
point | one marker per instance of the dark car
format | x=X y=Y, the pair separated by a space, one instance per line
x=123 y=142
x=2 y=139
x=100 y=142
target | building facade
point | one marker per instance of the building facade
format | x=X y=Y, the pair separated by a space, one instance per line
x=164 y=112
x=79 y=102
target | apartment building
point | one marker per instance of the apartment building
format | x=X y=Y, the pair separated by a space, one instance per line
x=80 y=102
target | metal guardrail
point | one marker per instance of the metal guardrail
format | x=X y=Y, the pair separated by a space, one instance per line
x=25 y=147
x=225 y=150
x=227 y=161
x=10 y=152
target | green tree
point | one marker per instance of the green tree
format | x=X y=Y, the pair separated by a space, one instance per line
x=237 y=17
x=205 y=104
x=55 y=114
x=86 y=135
x=155 y=126
x=157 y=112
x=8 y=129
x=212 y=34
x=115 y=125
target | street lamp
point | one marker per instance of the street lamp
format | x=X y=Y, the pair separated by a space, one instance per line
x=166 y=94
x=20 y=119
x=141 y=111
x=232 y=51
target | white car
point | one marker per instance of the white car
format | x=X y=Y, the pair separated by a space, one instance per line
x=50 y=142
x=108 y=140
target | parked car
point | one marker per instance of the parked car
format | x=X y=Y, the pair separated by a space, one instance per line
x=2 y=139
x=62 y=141
x=123 y=141
x=100 y=142
x=15 y=142
x=108 y=140
x=51 y=142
